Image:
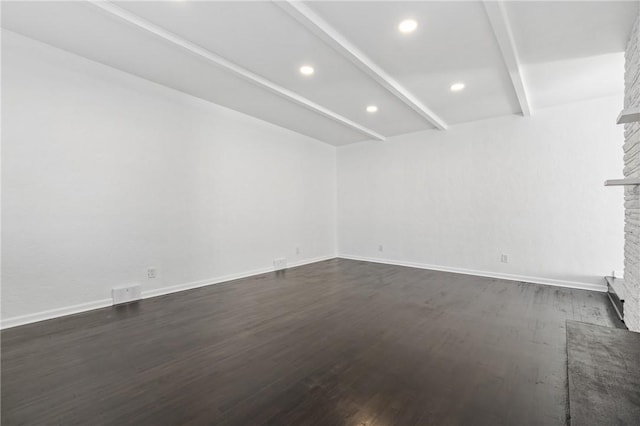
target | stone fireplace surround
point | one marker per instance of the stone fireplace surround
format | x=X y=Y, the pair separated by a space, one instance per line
x=632 y=192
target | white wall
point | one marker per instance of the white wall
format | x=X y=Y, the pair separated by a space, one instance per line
x=531 y=188
x=105 y=174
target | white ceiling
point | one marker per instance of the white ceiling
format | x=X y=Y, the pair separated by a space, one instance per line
x=246 y=55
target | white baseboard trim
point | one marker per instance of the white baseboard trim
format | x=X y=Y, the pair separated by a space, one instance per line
x=188 y=286
x=103 y=303
x=54 y=313
x=510 y=277
x=97 y=304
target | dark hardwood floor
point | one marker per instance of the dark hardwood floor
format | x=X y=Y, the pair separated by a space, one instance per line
x=334 y=343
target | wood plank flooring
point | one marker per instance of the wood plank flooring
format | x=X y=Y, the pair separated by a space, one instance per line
x=339 y=342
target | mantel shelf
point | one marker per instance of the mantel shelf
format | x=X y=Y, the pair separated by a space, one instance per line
x=620 y=182
x=629 y=115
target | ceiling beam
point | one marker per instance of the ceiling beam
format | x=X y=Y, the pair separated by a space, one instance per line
x=221 y=62
x=339 y=43
x=502 y=29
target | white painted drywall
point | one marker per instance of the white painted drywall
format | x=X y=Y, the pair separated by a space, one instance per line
x=531 y=188
x=105 y=174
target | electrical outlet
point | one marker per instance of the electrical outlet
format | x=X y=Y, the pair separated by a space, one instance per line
x=151 y=273
x=380 y=247
x=504 y=258
x=297 y=250
x=280 y=264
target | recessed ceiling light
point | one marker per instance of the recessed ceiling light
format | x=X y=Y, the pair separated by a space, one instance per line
x=456 y=87
x=306 y=70
x=372 y=109
x=407 y=26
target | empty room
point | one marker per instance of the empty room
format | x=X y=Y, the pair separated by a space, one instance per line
x=363 y=213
